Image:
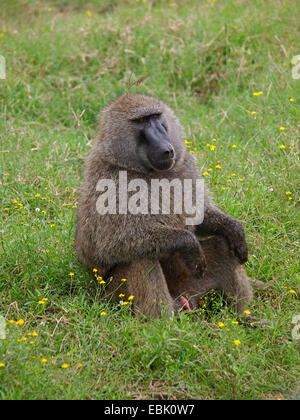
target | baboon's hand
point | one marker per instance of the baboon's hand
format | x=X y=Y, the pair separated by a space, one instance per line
x=200 y=263
x=195 y=259
x=237 y=243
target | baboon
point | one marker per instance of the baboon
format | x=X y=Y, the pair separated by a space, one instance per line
x=165 y=265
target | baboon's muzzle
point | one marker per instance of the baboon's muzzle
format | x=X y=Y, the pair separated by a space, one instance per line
x=160 y=152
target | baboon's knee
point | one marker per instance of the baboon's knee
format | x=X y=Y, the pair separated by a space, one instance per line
x=238 y=289
x=225 y=272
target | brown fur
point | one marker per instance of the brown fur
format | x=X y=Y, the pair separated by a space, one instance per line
x=159 y=255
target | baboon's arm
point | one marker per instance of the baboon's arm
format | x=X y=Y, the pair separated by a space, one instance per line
x=216 y=222
x=157 y=242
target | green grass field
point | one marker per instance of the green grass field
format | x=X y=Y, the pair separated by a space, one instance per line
x=226 y=69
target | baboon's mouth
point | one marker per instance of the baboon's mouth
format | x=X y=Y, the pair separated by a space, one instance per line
x=163 y=165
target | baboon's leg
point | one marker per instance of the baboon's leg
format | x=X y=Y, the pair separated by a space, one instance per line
x=223 y=272
x=146 y=282
x=226 y=273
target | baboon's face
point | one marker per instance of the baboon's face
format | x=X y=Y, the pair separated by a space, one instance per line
x=142 y=133
x=153 y=142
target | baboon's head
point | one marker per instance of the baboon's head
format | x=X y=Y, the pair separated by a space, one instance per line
x=141 y=132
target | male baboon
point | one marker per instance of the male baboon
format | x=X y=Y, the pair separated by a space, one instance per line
x=165 y=265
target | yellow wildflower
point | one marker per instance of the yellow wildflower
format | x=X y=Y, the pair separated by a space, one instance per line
x=292 y=291
x=221 y=324
x=281 y=128
x=237 y=342
x=64 y=366
x=89 y=13
x=71 y=274
x=44 y=360
x=234 y=146
x=2 y=365
x=258 y=93
x=247 y=312
x=218 y=167
x=102 y=313
x=20 y=322
x=205 y=173
x=131 y=297
x=282 y=146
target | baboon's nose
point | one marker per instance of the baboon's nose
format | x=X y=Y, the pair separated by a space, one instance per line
x=168 y=153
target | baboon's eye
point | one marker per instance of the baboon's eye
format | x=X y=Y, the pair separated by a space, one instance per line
x=141 y=120
x=155 y=116
x=146 y=118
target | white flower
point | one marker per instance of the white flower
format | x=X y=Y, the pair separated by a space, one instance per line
x=37 y=210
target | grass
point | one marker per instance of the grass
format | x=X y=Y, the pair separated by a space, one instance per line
x=64 y=61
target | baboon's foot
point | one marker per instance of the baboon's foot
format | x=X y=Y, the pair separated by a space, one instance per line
x=257 y=284
x=254 y=322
